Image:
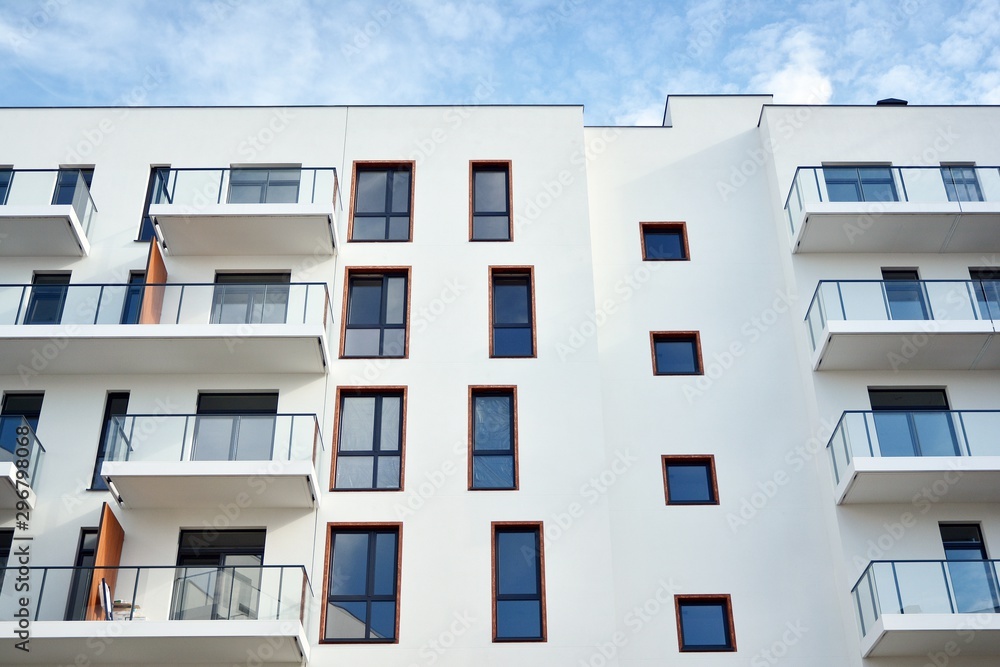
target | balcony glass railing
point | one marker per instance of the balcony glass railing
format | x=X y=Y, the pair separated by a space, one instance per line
x=48 y=187
x=193 y=189
x=171 y=303
x=159 y=593
x=19 y=445
x=911 y=433
x=872 y=183
x=941 y=300
x=233 y=437
x=925 y=587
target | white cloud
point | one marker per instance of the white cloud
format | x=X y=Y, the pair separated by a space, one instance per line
x=799 y=79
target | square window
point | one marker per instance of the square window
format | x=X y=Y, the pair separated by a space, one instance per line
x=492 y=438
x=518 y=583
x=705 y=623
x=490 y=214
x=362 y=584
x=676 y=352
x=375 y=313
x=369 y=440
x=690 y=480
x=664 y=241
x=512 y=307
x=382 y=202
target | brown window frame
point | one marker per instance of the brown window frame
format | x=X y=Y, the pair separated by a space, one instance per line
x=508 y=165
x=368 y=391
x=685 y=459
x=487 y=390
x=654 y=336
x=724 y=598
x=360 y=527
x=514 y=271
x=383 y=271
x=678 y=226
x=534 y=525
x=375 y=164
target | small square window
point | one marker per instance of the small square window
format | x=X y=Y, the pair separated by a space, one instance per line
x=705 y=623
x=676 y=353
x=490 y=213
x=690 y=480
x=664 y=241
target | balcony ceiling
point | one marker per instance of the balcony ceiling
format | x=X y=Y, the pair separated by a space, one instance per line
x=41 y=231
x=901 y=479
x=921 y=635
x=908 y=345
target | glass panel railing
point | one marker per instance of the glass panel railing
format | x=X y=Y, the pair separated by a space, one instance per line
x=194 y=303
x=912 y=300
x=36 y=187
x=879 y=184
x=159 y=593
x=19 y=445
x=193 y=189
x=234 y=437
x=926 y=587
x=913 y=433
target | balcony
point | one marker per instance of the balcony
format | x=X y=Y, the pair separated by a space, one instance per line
x=44 y=213
x=20 y=456
x=158 y=614
x=905 y=325
x=915 y=608
x=894 y=209
x=164 y=328
x=891 y=456
x=257 y=460
x=248 y=211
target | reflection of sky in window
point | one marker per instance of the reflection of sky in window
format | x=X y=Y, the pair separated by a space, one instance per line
x=703 y=624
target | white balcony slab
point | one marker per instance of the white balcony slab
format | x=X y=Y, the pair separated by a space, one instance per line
x=916 y=634
x=10 y=492
x=41 y=230
x=280 y=643
x=903 y=479
x=28 y=350
x=193 y=484
x=907 y=345
x=246 y=229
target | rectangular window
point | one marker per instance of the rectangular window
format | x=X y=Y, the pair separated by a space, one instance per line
x=690 y=480
x=664 y=241
x=235 y=427
x=913 y=422
x=904 y=294
x=264 y=186
x=518 y=582
x=362 y=584
x=676 y=352
x=79 y=587
x=383 y=202
x=6 y=176
x=375 y=314
x=986 y=283
x=370 y=439
x=250 y=298
x=705 y=623
x=47 y=298
x=961 y=183
x=156 y=193
x=512 y=305
x=860 y=184
x=132 y=304
x=490 y=216
x=973 y=579
x=218 y=575
x=6 y=540
x=492 y=438
x=72 y=187
x=116 y=405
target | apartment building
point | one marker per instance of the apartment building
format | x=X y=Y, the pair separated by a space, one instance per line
x=457 y=385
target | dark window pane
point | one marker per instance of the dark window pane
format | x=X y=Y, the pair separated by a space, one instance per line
x=383 y=620
x=391 y=420
x=490 y=191
x=349 y=564
x=400 y=192
x=704 y=625
x=365 y=301
x=512 y=342
x=395 y=300
x=689 y=483
x=511 y=298
x=493 y=472
x=385 y=564
x=399 y=228
x=676 y=356
x=519 y=619
x=664 y=244
x=908 y=399
x=517 y=563
x=492 y=421
x=370 y=193
x=491 y=228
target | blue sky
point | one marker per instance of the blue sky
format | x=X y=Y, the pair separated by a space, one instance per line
x=620 y=58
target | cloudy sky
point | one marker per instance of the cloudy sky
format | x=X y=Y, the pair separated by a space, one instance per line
x=620 y=58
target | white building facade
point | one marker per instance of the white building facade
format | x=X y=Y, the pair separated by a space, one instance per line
x=457 y=385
